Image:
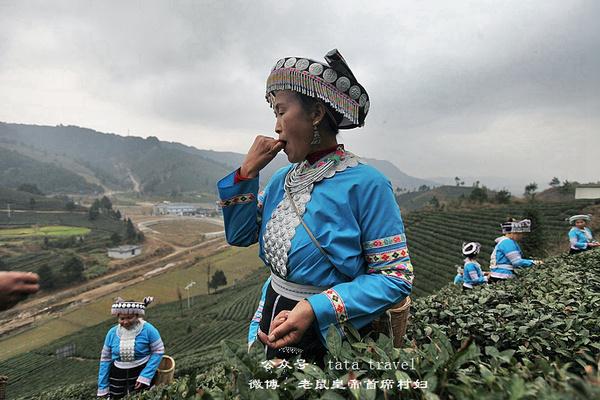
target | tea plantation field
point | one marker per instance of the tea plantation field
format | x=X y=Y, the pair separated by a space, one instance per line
x=192 y=336
x=434 y=238
x=536 y=337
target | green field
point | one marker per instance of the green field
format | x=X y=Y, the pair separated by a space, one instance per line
x=24 y=247
x=55 y=230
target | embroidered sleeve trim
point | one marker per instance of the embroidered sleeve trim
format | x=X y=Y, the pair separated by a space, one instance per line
x=239 y=199
x=406 y=277
x=401 y=266
x=387 y=256
x=387 y=241
x=258 y=314
x=338 y=305
x=157 y=346
x=106 y=354
x=145 y=381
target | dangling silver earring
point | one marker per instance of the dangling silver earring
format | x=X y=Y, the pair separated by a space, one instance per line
x=316 y=136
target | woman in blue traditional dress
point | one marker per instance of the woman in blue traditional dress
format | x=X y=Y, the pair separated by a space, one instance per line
x=472 y=273
x=131 y=353
x=581 y=237
x=328 y=226
x=507 y=255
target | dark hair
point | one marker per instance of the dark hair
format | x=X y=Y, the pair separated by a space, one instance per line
x=328 y=123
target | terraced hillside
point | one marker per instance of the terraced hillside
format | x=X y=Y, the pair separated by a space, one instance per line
x=193 y=336
x=435 y=238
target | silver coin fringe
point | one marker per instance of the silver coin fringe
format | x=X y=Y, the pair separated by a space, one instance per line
x=313 y=86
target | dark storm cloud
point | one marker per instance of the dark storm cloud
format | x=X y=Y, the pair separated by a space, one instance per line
x=454 y=86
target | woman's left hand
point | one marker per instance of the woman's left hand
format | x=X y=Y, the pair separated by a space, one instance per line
x=138 y=385
x=292 y=329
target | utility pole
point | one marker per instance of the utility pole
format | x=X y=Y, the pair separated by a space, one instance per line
x=187 y=288
x=208 y=278
x=8 y=210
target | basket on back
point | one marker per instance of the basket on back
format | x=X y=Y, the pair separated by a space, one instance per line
x=394 y=321
x=165 y=371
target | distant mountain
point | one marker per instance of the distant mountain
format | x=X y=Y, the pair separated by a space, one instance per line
x=17 y=169
x=132 y=163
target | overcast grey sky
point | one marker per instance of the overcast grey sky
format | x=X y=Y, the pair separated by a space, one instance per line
x=467 y=88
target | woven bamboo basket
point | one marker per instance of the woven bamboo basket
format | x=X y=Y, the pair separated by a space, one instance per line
x=165 y=371
x=3 y=383
x=394 y=321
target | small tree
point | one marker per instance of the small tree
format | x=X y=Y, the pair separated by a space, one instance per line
x=555 y=182
x=69 y=205
x=457 y=180
x=478 y=195
x=131 y=233
x=31 y=203
x=118 y=214
x=502 y=197
x=46 y=277
x=72 y=270
x=218 y=279
x=434 y=202
x=105 y=203
x=94 y=212
x=530 y=190
x=115 y=239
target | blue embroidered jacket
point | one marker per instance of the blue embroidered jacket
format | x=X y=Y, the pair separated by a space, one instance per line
x=148 y=348
x=506 y=257
x=473 y=275
x=355 y=218
x=580 y=238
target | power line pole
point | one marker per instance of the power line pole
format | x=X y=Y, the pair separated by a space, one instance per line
x=187 y=288
x=208 y=278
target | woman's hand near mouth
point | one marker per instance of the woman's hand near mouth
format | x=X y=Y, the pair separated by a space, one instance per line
x=261 y=153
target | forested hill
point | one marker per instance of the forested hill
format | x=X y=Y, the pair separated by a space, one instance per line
x=115 y=162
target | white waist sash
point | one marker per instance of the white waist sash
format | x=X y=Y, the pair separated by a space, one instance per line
x=294 y=291
x=131 y=364
x=502 y=266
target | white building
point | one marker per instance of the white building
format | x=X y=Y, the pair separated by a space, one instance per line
x=175 y=209
x=126 y=251
x=587 y=192
x=181 y=209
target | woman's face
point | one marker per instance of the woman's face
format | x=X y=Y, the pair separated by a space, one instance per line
x=127 y=320
x=580 y=223
x=293 y=125
x=517 y=236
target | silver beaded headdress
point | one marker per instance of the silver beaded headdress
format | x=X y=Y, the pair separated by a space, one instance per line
x=332 y=82
x=584 y=217
x=121 y=306
x=516 y=226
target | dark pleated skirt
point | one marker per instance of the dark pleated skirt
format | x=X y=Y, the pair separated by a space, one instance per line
x=122 y=381
x=309 y=347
